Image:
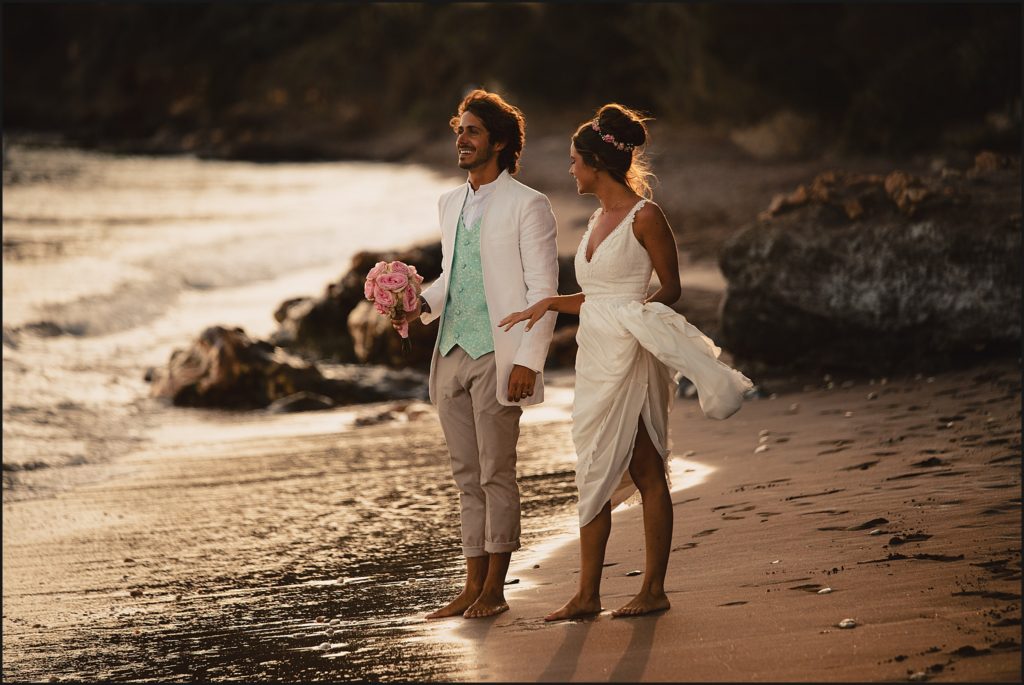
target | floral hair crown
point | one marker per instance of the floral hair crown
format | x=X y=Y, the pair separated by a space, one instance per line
x=610 y=139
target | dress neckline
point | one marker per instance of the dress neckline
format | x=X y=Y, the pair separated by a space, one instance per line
x=586 y=241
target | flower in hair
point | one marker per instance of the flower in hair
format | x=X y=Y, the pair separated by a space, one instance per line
x=610 y=139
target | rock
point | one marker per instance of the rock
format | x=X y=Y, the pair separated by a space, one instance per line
x=562 y=352
x=918 y=676
x=847 y=623
x=794 y=408
x=375 y=341
x=925 y=274
x=760 y=448
x=225 y=368
x=136 y=593
x=825 y=591
x=634 y=573
x=300 y=401
x=342 y=326
x=318 y=327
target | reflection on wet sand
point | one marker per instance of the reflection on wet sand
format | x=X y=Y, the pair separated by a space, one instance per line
x=297 y=557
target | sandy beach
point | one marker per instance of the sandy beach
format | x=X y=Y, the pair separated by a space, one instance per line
x=902 y=497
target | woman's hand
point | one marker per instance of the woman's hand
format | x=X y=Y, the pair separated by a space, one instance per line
x=531 y=315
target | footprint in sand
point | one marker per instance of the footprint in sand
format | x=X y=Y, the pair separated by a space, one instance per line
x=863 y=466
x=704 y=533
x=685 y=545
x=731 y=604
x=873 y=523
x=929 y=462
x=810 y=587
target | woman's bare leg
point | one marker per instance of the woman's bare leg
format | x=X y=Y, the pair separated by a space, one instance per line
x=593 y=540
x=648 y=473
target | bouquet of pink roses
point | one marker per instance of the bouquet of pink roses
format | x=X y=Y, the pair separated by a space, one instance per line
x=394 y=288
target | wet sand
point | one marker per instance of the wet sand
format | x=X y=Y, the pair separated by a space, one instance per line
x=903 y=498
x=259 y=547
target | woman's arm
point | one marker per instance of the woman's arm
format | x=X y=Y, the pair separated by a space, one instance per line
x=563 y=304
x=652 y=230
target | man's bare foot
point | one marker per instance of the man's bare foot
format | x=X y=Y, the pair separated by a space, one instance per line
x=644 y=603
x=457 y=605
x=576 y=608
x=486 y=605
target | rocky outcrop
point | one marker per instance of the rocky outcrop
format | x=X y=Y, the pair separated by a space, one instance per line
x=225 y=368
x=318 y=327
x=342 y=325
x=876 y=272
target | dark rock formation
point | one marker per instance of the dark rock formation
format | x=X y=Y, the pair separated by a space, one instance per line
x=342 y=325
x=318 y=328
x=225 y=368
x=874 y=273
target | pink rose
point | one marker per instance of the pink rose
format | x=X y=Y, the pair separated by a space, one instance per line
x=400 y=268
x=384 y=297
x=415 y=276
x=409 y=298
x=377 y=270
x=368 y=288
x=381 y=309
x=392 y=281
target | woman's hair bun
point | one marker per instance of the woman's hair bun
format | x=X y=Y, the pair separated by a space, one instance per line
x=625 y=124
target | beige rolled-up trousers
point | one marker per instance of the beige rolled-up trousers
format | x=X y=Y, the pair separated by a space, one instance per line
x=481 y=434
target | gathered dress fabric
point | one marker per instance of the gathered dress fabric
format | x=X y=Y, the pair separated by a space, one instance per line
x=627 y=352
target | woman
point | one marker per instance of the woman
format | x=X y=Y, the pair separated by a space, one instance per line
x=627 y=342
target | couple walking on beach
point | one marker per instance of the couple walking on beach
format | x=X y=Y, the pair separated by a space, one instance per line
x=500 y=268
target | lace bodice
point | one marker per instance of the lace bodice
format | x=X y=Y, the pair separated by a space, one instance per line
x=619 y=268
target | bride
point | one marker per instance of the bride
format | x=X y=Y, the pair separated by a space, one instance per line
x=627 y=343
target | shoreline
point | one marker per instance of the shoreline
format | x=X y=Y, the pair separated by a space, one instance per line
x=935 y=593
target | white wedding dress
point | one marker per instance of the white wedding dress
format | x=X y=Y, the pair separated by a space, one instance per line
x=626 y=349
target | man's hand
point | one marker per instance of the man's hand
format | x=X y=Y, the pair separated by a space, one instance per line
x=408 y=318
x=520 y=383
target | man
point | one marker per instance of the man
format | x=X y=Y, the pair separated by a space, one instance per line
x=498 y=256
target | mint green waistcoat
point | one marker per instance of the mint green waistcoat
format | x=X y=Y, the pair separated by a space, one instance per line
x=466 y=321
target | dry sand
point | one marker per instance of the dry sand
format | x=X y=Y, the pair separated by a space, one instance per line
x=903 y=498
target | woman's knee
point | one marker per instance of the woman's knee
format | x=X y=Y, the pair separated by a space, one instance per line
x=647 y=473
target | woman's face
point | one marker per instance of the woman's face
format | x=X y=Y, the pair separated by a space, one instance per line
x=585 y=175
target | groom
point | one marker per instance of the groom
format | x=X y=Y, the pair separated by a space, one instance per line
x=498 y=256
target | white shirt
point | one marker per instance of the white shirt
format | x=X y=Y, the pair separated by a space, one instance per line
x=476 y=200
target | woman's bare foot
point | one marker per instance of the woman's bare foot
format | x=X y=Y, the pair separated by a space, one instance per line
x=576 y=608
x=644 y=603
x=457 y=605
x=486 y=605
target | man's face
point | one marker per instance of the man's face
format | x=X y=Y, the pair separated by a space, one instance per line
x=473 y=142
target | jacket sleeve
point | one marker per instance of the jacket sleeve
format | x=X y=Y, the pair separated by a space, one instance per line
x=539 y=250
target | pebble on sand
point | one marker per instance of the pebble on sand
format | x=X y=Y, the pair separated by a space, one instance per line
x=825 y=591
x=689 y=453
x=848 y=414
x=321 y=619
x=918 y=676
x=794 y=408
x=634 y=573
x=876 y=531
x=847 y=623
x=325 y=646
x=761 y=448
x=872 y=395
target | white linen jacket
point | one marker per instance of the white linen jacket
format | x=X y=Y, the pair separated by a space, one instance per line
x=519 y=260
